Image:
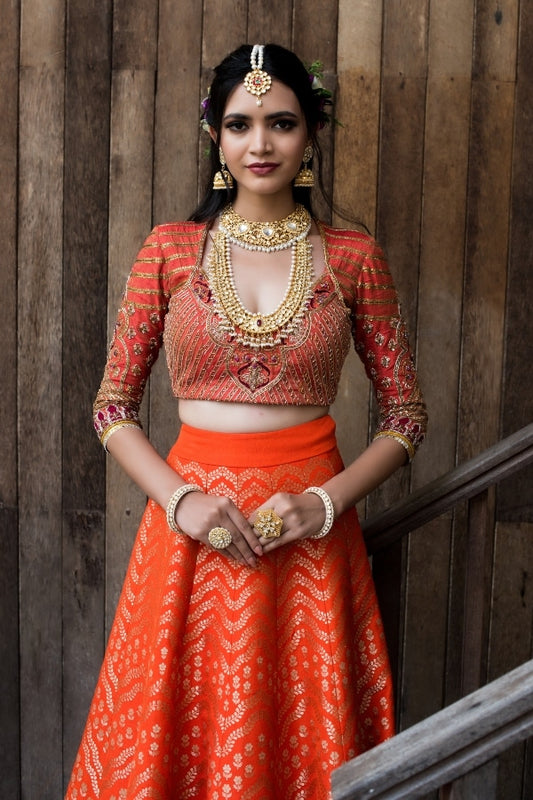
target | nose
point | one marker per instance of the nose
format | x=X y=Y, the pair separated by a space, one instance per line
x=260 y=140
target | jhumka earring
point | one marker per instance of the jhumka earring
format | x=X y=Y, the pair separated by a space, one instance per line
x=305 y=177
x=223 y=178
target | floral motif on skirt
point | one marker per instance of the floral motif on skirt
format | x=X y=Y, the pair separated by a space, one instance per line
x=223 y=682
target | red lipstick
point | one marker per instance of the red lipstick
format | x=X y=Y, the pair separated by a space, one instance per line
x=262 y=167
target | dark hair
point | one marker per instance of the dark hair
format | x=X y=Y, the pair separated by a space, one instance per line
x=286 y=67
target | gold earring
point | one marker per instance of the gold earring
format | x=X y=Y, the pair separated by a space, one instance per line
x=223 y=178
x=305 y=177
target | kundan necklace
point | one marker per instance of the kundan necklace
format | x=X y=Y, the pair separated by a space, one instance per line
x=265 y=236
x=261 y=330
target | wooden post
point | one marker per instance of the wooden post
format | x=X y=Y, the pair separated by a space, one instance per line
x=481 y=784
x=477 y=593
x=87 y=104
x=130 y=220
x=40 y=344
x=398 y=217
x=9 y=578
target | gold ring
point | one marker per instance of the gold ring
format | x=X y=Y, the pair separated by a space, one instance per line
x=268 y=523
x=219 y=538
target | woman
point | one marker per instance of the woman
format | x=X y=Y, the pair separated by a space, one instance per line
x=247 y=657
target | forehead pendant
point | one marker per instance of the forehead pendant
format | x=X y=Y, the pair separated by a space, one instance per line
x=256 y=81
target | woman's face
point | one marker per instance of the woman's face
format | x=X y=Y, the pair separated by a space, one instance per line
x=263 y=145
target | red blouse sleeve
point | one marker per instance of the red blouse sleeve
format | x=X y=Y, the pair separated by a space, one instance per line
x=381 y=340
x=380 y=336
x=136 y=342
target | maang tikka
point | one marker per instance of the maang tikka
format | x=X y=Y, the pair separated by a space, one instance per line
x=257 y=82
x=223 y=178
x=305 y=178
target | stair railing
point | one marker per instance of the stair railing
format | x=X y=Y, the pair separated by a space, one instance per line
x=487 y=721
x=445 y=746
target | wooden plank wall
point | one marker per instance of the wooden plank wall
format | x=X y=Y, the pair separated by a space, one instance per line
x=99 y=140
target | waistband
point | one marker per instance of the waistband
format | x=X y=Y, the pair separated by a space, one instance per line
x=260 y=449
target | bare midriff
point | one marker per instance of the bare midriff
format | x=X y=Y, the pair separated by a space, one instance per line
x=245 y=417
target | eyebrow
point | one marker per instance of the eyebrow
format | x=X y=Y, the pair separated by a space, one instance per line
x=274 y=115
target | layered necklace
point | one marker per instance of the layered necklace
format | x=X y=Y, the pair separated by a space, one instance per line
x=262 y=330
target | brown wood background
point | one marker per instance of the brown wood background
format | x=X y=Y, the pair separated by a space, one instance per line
x=99 y=140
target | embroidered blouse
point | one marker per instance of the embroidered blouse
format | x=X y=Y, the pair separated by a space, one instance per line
x=168 y=300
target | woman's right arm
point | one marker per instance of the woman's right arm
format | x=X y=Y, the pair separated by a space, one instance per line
x=197 y=512
x=135 y=346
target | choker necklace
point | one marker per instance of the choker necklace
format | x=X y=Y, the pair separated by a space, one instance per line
x=265 y=236
x=254 y=329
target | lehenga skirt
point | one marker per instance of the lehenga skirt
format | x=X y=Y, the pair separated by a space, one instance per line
x=221 y=681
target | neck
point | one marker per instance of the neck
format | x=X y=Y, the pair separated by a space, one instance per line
x=264 y=208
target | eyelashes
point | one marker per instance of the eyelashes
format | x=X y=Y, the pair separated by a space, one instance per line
x=239 y=126
x=285 y=124
x=235 y=126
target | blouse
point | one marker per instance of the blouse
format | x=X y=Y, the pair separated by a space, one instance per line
x=169 y=300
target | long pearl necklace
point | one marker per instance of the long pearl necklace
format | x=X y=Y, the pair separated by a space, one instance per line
x=254 y=329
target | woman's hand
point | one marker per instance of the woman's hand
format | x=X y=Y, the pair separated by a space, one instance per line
x=303 y=515
x=198 y=513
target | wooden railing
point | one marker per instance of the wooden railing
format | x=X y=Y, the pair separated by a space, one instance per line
x=488 y=720
x=462 y=483
x=448 y=744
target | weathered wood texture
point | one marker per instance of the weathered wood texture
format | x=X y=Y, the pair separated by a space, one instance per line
x=87 y=93
x=496 y=464
x=430 y=766
x=9 y=664
x=462 y=736
x=40 y=396
x=99 y=140
x=131 y=156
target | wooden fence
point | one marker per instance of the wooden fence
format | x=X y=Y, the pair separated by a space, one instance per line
x=99 y=139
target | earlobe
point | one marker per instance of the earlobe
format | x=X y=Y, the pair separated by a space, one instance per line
x=213 y=134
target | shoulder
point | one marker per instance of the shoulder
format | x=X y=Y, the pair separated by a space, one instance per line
x=168 y=255
x=175 y=245
x=185 y=233
x=350 y=244
x=352 y=255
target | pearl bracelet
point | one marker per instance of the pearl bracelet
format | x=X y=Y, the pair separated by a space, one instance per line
x=330 y=511
x=173 y=503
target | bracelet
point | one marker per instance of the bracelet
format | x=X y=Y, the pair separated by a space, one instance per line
x=173 y=502
x=330 y=511
x=401 y=439
x=122 y=423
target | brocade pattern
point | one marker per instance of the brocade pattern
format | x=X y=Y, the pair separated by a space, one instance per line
x=222 y=682
x=168 y=297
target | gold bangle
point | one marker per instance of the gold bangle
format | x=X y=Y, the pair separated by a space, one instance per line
x=330 y=511
x=122 y=423
x=173 y=502
x=400 y=438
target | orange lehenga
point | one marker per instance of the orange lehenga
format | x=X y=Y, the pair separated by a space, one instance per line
x=221 y=681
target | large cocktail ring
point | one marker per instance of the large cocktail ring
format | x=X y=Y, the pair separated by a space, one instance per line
x=219 y=538
x=268 y=523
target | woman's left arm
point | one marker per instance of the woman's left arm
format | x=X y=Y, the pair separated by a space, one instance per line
x=304 y=514
x=381 y=341
x=375 y=464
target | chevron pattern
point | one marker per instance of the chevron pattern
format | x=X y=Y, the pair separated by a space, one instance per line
x=222 y=682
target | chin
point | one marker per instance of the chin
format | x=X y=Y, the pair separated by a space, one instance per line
x=263 y=186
